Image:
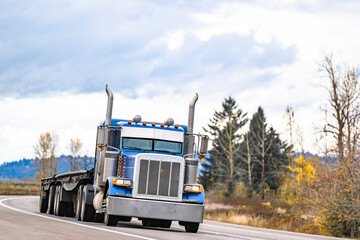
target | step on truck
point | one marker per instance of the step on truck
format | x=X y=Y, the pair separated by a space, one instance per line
x=144 y=170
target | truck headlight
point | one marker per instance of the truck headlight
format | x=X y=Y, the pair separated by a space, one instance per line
x=196 y=188
x=122 y=182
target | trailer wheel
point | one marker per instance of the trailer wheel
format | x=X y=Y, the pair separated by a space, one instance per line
x=50 y=209
x=78 y=203
x=87 y=211
x=69 y=206
x=43 y=204
x=191 y=227
x=109 y=220
x=59 y=208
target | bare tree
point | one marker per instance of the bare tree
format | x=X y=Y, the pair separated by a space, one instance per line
x=75 y=149
x=339 y=193
x=45 y=154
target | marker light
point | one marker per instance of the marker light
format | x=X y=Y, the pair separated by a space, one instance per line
x=144 y=123
x=202 y=159
x=193 y=188
x=153 y=124
x=176 y=126
x=129 y=122
x=162 y=125
x=122 y=182
x=99 y=149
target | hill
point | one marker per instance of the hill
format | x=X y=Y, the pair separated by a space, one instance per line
x=26 y=169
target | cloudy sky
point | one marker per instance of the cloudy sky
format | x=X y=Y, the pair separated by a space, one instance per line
x=57 y=56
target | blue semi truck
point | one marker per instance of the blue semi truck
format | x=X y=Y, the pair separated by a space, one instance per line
x=145 y=170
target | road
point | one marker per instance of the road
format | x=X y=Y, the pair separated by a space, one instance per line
x=20 y=219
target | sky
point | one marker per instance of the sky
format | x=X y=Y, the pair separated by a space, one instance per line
x=57 y=56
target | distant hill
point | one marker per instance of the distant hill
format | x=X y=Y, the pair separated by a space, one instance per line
x=26 y=169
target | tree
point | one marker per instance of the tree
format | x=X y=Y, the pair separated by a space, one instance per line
x=338 y=196
x=223 y=165
x=75 y=149
x=45 y=154
x=270 y=154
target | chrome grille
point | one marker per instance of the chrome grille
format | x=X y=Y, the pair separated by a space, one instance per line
x=159 y=179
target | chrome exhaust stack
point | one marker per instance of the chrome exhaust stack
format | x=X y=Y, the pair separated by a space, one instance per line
x=191 y=161
x=106 y=160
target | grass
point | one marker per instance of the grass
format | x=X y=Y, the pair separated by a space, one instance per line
x=19 y=188
x=272 y=213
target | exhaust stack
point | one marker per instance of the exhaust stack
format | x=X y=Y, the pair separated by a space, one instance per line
x=191 y=162
x=191 y=114
x=105 y=162
x=109 y=106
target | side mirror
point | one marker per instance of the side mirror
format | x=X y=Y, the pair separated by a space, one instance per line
x=100 y=141
x=204 y=146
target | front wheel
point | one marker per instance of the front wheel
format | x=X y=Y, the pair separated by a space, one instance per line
x=191 y=227
x=109 y=220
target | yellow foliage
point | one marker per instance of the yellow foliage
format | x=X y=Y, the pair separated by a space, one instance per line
x=304 y=172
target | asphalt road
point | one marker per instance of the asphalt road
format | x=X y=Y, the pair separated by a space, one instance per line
x=20 y=219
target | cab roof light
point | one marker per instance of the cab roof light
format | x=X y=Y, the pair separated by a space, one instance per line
x=153 y=124
x=144 y=123
x=162 y=125
x=129 y=122
x=176 y=126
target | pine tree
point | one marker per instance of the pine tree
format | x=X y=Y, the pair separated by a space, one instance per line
x=268 y=152
x=223 y=164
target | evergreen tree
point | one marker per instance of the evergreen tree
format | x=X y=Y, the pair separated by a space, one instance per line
x=222 y=168
x=268 y=153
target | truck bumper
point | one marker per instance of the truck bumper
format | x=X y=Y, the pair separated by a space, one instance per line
x=176 y=211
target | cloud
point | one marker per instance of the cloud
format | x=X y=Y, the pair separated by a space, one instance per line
x=56 y=57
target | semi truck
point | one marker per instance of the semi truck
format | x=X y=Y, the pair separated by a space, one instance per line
x=144 y=170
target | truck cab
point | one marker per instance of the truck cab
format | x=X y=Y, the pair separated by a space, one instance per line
x=148 y=170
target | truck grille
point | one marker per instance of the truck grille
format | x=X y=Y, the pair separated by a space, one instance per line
x=159 y=179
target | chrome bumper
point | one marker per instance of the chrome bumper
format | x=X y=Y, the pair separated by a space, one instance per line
x=141 y=208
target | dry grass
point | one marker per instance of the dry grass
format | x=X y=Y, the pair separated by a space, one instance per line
x=19 y=188
x=271 y=213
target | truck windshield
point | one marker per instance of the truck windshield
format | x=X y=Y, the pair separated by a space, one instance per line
x=152 y=145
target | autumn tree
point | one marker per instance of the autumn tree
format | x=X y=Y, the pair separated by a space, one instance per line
x=45 y=154
x=75 y=149
x=223 y=165
x=339 y=195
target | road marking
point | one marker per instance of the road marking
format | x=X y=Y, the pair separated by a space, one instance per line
x=64 y=221
x=302 y=236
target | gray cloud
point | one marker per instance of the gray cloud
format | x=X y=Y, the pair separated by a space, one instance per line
x=78 y=47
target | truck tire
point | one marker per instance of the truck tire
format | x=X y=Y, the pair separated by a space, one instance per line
x=43 y=204
x=87 y=211
x=69 y=206
x=59 y=207
x=51 y=201
x=78 y=203
x=109 y=220
x=191 y=227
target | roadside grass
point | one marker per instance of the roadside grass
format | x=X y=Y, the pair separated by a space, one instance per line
x=19 y=188
x=273 y=213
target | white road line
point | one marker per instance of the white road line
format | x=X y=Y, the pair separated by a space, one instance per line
x=227 y=234
x=302 y=236
x=64 y=221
